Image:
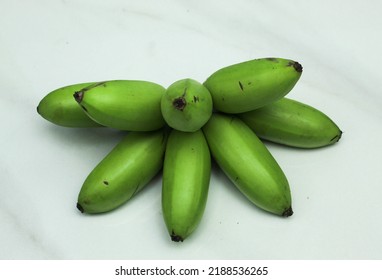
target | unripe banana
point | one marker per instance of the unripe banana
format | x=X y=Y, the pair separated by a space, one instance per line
x=127 y=169
x=186 y=176
x=248 y=163
x=252 y=84
x=186 y=105
x=60 y=108
x=123 y=104
x=292 y=123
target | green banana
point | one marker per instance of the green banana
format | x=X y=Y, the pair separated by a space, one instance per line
x=248 y=163
x=59 y=108
x=123 y=104
x=292 y=123
x=186 y=176
x=186 y=105
x=252 y=84
x=127 y=169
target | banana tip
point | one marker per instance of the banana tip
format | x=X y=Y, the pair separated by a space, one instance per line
x=297 y=66
x=336 y=138
x=176 y=238
x=78 y=96
x=179 y=103
x=339 y=135
x=79 y=207
x=288 y=212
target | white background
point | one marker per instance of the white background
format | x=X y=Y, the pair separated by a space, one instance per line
x=336 y=191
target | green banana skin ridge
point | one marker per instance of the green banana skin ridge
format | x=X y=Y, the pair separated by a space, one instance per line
x=59 y=107
x=248 y=163
x=252 y=84
x=186 y=105
x=130 y=105
x=185 y=183
x=126 y=170
x=293 y=123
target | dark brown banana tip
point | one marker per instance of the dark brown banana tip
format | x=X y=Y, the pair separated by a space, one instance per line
x=78 y=96
x=339 y=135
x=297 y=66
x=179 y=103
x=176 y=238
x=336 y=138
x=79 y=207
x=288 y=212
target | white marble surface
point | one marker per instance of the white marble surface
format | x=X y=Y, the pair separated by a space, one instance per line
x=336 y=191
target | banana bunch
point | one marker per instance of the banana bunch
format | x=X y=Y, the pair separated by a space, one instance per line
x=179 y=130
